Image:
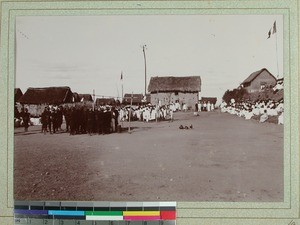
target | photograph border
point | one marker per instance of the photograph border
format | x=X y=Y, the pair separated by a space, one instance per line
x=285 y=212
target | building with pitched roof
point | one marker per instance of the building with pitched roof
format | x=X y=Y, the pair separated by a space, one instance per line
x=169 y=89
x=258 y=81
x=18 y=94
x=36 y=99
x=47 y=95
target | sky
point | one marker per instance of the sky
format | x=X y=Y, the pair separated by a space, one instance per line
x=89 y=53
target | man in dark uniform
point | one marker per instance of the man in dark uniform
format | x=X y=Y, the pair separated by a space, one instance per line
x=59 y=118
x=116 y=117
x=84 y=120
x=44 y=120
x=80 y=120
x=26 y=119
x=67 y=114
x=90 y=121
x=107 y=121
x=73 y=121
x=49 y=120
x=101 y=129
x=55 y=120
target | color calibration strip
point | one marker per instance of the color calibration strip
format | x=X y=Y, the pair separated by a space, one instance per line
x=81 y=213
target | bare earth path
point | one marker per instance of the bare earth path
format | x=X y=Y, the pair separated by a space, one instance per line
x=223 y=158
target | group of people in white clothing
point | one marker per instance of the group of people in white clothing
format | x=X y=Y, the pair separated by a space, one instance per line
x=147 y=113
x=263 y=108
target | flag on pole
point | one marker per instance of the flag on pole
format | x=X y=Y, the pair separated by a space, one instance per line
x=273 y=30
x=269 y=34
x=121 y=75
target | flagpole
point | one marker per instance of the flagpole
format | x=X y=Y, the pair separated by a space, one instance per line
x=122 y=85
x=144 y=49
x=277 y=56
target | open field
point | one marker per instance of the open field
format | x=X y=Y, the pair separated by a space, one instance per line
x=223 y=158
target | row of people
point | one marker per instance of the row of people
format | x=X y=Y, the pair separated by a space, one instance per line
x=82 y=120
x=262 y=108
x=148 y=113
x=101 y=120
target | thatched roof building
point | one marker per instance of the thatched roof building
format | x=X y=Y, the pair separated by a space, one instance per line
x=105 y=101
x=173 y=84
x=47 y=95
x=18 y=94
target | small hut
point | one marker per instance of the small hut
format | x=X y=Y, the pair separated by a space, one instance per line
x=166 y=90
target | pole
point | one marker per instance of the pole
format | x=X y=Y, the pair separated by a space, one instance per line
x=277 y=57
x=129 y=131
x=122 y=87
x=144 y=47
x=122 y=92
x=94 y=99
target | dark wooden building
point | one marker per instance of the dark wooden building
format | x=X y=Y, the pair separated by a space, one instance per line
x=258 y=81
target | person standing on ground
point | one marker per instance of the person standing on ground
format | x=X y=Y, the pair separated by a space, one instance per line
x=116 y=115
x=44 y=122
x=196 y=109
x=26 y=119
x=171 y=114
x=90 y=121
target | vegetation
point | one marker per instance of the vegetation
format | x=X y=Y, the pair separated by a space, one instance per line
x=238 y=94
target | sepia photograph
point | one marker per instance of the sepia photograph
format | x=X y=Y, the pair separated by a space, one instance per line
x=183 y=108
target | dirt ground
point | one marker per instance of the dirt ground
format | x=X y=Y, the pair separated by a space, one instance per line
x=223 y=158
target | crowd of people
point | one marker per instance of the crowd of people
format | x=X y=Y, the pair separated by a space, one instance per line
x=264 y=109
x=101 y=120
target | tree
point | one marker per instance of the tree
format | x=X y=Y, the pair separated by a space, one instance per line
x=238 y=94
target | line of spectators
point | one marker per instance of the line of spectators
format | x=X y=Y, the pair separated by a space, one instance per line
x=263 y=108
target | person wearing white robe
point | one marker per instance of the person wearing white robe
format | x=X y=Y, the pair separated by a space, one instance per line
x=280 y=118
x=199 y=107
x=153 y=114
x=164 y=113
x=264 y=117
x=208 y=106
x=171 y=114
x=248 y=114
x=184 y=108
x=147 y=114
x=177 y=106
